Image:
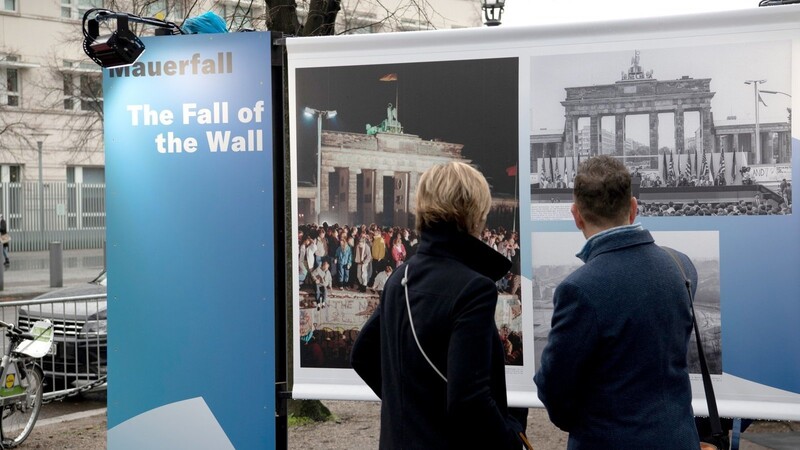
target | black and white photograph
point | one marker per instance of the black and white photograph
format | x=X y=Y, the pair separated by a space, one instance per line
x=704 y=130
x=365 y=134
x=554 y=259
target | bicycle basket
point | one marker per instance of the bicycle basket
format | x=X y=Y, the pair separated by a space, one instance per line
x=42 y=331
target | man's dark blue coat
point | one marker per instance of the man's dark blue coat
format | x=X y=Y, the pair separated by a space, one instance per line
x=614 y=372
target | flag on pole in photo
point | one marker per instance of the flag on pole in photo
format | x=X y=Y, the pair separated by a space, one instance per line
x=722 y=165
x=672 y=166
x=664 y=168
x=688 y=170
x=542 y=175
x=389 y=77
x=712 y=174
x=551 y=169
x=511 y=171
x=733 y=168
x=704 y=167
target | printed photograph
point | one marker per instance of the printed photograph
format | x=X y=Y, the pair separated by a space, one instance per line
x=554 y=259
x=365 y=134
x=705 y=131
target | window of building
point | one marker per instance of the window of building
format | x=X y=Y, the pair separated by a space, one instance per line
x=355 y=23
x=9 y=5
x=75 y=9
x=83 y=86
x=9 y=91
x=86 y=197
x=11 y=195
x=165 y=10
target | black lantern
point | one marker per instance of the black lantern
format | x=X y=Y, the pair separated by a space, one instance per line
x=492 y=11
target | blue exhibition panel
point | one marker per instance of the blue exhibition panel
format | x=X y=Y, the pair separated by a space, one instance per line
x=189 y=165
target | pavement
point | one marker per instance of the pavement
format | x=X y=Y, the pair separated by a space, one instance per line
x=28 y=275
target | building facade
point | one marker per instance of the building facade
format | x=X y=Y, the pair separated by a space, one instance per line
x=51 y=101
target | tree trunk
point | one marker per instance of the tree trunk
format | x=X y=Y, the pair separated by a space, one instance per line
x=321 y=20
x=282 y=17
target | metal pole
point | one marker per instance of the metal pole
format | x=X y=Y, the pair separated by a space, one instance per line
x=319 y=165
x=41 y=196
x=758 y=131
x=56 y=265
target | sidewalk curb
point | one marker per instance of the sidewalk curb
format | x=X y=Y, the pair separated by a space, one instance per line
x=73 y=416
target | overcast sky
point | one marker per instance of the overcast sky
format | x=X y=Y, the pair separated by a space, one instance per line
x=538 y=12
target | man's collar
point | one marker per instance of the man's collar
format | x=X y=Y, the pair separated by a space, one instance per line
x=590 y=243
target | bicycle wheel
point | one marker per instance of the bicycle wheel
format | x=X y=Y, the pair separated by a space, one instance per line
x=18 y=418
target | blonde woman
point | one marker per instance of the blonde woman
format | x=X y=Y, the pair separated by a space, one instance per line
x=431 y=350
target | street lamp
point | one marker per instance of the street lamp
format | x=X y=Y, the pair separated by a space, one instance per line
x=489 y=8
x=764 y=91
x=755 y=84
x=320 y=114
x=789 y=110
x=774 y=92
x=40 y=137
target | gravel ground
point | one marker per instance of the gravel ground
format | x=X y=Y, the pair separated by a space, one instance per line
x=357 y=427
x=81 y=434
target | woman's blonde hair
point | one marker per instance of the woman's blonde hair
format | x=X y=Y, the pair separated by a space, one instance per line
x=454 y=193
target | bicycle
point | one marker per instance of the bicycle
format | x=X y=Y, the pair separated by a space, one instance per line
x=21 y=381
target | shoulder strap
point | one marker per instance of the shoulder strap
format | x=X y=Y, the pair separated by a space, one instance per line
x=713 y=413
x=404 y=282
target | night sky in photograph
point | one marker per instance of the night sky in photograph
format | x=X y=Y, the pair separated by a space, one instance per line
x=474 y=103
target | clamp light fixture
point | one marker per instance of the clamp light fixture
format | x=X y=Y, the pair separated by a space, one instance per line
x=121 y=47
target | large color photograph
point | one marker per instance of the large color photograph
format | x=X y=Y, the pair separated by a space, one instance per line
x=364 y=136
x=705 y=131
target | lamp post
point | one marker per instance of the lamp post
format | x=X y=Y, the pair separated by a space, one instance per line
x=40 y=137
x=490 y=7
x=755 y=84
x=789 y=110
x=319 y=114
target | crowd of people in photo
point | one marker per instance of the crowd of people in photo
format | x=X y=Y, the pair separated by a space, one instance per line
x=757 y=207
x=360 y=258
x=649 y=179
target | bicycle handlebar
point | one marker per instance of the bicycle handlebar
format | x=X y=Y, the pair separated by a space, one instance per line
x=18 y=332
x=10 y=326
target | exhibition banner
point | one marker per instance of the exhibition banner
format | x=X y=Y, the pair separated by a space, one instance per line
x=679 y=100
x=189 y=167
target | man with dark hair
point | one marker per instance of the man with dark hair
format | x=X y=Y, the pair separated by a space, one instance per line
x=614 y=372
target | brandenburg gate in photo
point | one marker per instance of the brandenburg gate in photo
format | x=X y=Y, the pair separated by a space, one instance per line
x=638 y=93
